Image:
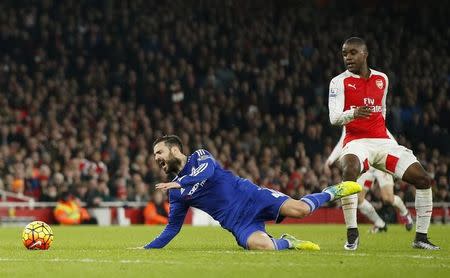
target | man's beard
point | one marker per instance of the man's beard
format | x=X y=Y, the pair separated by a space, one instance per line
x=173 y=165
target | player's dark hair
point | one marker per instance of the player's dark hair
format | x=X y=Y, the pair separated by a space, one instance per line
x=170 y=141
x=357 y=41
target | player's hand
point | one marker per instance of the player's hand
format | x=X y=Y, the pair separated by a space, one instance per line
x=362 y=112
x=167 y=185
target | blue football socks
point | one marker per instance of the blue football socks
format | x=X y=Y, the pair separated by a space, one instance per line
x=314 y=201
x=280 y=244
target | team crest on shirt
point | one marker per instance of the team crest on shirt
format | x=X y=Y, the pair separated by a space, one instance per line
x=379 y=83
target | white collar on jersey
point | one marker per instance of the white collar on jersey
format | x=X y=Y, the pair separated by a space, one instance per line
x=356 y=75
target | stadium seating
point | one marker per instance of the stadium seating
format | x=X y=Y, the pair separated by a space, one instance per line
x=82 y=96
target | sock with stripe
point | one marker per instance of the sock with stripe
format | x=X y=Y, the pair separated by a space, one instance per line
x=349 y=206
x=280 y=243
x=398 y=203
x=314 y=201
x=369 y=211
x=424 y=209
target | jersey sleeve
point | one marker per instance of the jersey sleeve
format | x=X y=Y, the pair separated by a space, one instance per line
x=383 y=101
x=336 y=101
x=337 y=150
x=205 y=165
x=177 y=213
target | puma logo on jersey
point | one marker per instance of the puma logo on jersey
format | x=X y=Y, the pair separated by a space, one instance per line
x=352 y=86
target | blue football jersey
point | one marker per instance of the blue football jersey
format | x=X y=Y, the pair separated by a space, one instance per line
x=207 y=186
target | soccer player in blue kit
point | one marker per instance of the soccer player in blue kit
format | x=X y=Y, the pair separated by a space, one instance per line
x=240 y=206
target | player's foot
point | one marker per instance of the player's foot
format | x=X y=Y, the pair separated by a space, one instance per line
x=343 y=189
x=376 y=229
x=298 y=244
x=409 y=222
x=352 y=239
x=424 y=244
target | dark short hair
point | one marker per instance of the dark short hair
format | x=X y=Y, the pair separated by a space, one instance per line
x=356 y=40
x=170 y=141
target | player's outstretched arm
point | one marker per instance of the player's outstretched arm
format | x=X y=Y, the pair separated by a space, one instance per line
x=168 y=185
x=176 y=218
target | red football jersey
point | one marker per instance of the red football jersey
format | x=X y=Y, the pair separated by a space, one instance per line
x=349 y=91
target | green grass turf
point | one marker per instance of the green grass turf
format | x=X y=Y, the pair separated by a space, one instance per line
x=212 y=252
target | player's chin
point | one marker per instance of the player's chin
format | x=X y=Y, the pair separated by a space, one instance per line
x=351 y=68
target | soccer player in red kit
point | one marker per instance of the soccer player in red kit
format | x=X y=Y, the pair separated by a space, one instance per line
x=357 y=101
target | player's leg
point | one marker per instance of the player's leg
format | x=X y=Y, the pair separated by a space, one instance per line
x=268 y=206
x=274 y=205
x=367 y=180
x=309 y=203
x=295 y=209
x=416 y=175
x=354 y=160
x=252 y=235
x=250 y=231
x=404 y=164
x=365 y=207
x=351 y=169
x=262 y=241
x=386 y=183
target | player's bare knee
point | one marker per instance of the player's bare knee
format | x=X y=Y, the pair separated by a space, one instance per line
x=300 y=213
x=350 y=167
x=423 y=181
x=350 y=171
x=265 y=246
x=295 y=209
x=260 y=245
x=300 y=210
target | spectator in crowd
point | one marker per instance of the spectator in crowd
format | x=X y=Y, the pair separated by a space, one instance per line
x=85 y=88
x=50 y=194
x=442 y=194
x=69 y=212
x=157 y=211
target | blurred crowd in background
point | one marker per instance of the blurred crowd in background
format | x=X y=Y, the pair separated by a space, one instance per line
x=86 y=86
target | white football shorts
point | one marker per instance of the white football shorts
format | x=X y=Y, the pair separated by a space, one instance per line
x=368 y=179
x=383 y=154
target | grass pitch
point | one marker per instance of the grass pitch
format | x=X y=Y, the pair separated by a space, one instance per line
x=212 y=252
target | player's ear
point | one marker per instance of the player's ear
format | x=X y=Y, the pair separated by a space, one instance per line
x=365 y=51
x=175 y=150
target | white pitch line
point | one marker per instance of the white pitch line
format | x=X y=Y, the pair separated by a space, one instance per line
x=322 y=253
x=152 y=261
x=198 y=263
x=94 y=261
